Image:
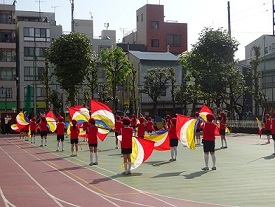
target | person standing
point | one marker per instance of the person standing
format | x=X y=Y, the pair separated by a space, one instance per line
x=7 y=124
x=173 y=139
x=150 y=126
x=126 y=145
x=267 y=127
x=209 y=128
x=141 y=127
x=33 y=127
x=60 y=130
x=133 y=123
x=118 y=126
x=74 y=138
x=85 y=126
x=43 y=131
x=92 y=141
x=222 y=129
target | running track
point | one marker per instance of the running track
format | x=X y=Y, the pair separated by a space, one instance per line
x=30 y=176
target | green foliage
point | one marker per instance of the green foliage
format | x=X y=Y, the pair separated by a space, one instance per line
x=155 y=82
x=209 y=65
x=71 y=55
x=91 y=77
x=117 y=68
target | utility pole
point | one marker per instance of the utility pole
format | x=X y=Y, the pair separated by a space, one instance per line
x=72 y=13
x=229 y=21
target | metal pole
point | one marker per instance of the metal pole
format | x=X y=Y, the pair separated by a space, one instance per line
x=72 y=10
x=229 y=21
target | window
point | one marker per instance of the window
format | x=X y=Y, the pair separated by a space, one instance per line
x=6 y=36
x=154 y=24
x=142 y=17
x=7 y=74
x=137 y=18
x=7 y=55
x=154 y=43
x=30 y=53
x=173 y=40
x=36 y=34
x=29 y=73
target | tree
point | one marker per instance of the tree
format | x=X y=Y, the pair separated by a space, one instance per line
x=71 y=55
x=155 y=83
x=209 y=62
x=173 y=87
x=91 y=77
x=255 y=75
x=117 y=68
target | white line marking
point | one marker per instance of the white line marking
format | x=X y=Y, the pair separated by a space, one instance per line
x=6 y=201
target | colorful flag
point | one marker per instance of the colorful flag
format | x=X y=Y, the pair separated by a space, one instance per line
x=79 y=113
x=104 y=118
x=51 y=121
x=141 y=151
x=260 y=127
x=161 y=140
x=185 y=129
x=21 y=122
x=204 y=111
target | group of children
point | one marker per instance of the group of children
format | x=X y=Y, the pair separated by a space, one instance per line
x=126 y=128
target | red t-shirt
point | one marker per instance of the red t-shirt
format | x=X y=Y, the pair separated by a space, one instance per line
x=133 y=122
x=127 y=134
x=209 y=131
x=60 y=128
x=222 y=123
x=26 y=128
x=150 y=126
x=267 y=125
x=273 y=126
x=92 y=134
x=85 y=125
x=118 y=126
x=141 y=130
x=43 y=126
x=172 y=132
x=74 y=132
x=33 y=126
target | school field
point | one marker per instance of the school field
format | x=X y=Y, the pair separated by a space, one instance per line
x=40 y=176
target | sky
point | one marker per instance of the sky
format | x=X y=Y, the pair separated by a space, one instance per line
x=249 y=18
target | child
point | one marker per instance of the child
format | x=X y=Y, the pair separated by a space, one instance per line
x=167 y=122
x=26 y=132
x=92 y=141
x=118 y=126
x=198 y=129
x=43 y=130
x=209 y=141
x=141 y=127
x=267 y=127
x=173 y=139
x=126 y=145
x=33 y=126
x=85 y=125
x=134 y=123
x=150 y=126
x=60 y=133
x=74 y=138
x=222 y=129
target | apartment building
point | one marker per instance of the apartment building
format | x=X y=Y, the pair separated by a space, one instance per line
x=155 y=33
x=35 y=31
x=7 y=58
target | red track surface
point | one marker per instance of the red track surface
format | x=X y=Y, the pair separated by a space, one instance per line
x=30 y=176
